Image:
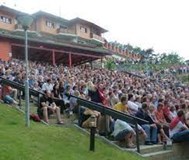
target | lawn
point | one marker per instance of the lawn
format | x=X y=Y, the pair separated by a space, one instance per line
x=41 y=142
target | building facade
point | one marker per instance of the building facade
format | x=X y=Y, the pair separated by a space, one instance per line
x=52 y=37
x=55 y=38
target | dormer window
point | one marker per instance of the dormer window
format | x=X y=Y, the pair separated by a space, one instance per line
x=50 y=24
x=83 y=29
x=5 y=20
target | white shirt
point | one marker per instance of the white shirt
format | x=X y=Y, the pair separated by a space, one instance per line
x=47 y=87
x=138 y=104
x=120 y=126
x=133 y=107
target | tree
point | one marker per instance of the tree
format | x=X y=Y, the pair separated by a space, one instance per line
x=110 y=64
x=137 y=50
x=129 y=47
x=149 y=52
x=171 y=58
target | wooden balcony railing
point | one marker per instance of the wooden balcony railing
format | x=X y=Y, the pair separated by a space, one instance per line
x=96 y=37
x=64 y=31
x=18 y=26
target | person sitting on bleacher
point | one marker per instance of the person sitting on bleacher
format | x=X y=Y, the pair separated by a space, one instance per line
x=124 y=133
x=179 y=132
x=47 y=86
x=151 y=128
x=48 y=107
x=132 y=106
x=73 y=102
x=122 y=107
x=9 y=95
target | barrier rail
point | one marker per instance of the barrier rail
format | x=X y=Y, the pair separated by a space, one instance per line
x=20 y=87
x=113 y=113
x=89 y=104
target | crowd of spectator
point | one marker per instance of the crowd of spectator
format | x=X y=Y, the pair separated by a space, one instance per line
x=160 y=101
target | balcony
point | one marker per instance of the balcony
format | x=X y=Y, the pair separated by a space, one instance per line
x=66 y=32
x=97 y=38
x=18 y=27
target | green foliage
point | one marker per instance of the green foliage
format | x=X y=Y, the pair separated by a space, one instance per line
x=41 y=142
x=137 y=50
x=154 y=62
x=129 y=47
x=110 y=64
x=172 y=58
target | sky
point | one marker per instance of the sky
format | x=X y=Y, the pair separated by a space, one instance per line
x=159 y=24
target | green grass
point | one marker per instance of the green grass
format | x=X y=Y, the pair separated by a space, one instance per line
x=41 y=142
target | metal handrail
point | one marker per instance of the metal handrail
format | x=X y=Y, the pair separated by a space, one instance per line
x=113 y=113
x=89 y=104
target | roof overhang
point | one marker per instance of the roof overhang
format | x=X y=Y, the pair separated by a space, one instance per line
x=11 y=11
x=43 y=40
x=82 y=21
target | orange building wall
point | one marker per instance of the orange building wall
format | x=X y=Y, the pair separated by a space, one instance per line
x=5 y=49
x=6 y=25
x=83 y=34
x=38 y=24
x=41 y=26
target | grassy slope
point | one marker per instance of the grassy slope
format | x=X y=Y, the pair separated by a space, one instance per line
x=48 y=142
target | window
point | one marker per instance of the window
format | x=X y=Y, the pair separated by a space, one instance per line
x=50 y=24
x=83 y=29
x=63 y=27
x=5 y=20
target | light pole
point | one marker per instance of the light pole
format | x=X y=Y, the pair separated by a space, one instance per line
x=26 y=21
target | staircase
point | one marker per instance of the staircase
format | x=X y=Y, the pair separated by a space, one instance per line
x=178 y=151
x=149 y=152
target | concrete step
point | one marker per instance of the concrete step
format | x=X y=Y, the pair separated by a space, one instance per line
x=144 y=149
x=150 y=152
x=164 y=154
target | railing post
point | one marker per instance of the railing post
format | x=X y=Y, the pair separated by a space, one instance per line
x=38 y=101
x=106 y=126
x=92 y=132
x=137 y=137
x=79 y=115
x=92 y=139
x=20 y=96
x=2 y=91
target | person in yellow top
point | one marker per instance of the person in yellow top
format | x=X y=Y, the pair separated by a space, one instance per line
x=122 y=105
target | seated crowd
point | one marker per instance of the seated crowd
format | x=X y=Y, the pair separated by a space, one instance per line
x=159 y=101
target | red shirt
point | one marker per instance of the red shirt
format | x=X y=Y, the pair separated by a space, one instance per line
x=6 y=90
x=166 y=110
x=160 y=116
